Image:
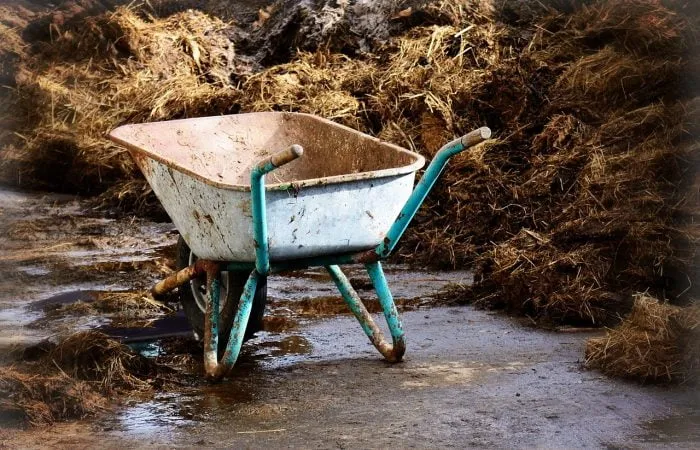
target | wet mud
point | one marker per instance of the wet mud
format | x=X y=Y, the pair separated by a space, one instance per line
x=310 y=378
x=58 y=251
x=471 y=379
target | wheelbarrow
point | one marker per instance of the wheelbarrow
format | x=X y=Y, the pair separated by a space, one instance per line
x=333 y=196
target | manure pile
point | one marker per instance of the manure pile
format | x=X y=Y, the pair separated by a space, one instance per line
x=587 y=197
x=88 y=372
x=656 y=342
x=73 y=379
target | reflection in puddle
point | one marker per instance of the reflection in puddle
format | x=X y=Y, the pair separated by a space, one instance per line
x=290 y=345
x=33 y=271
x=161 y=414
x=17 y=316
x=274 y=350
x=193 y=405
x=171 y=325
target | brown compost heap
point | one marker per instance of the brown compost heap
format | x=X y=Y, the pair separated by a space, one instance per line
x=72 y=378
x=587 y=196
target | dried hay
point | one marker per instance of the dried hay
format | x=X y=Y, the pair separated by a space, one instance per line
x=313 y=83
x=544 y=281
x=115 y=68
x=657 y=342
x=588 y=198
x=136 y=302
x=74 y=378
x=12 y=49
x=44 y=399
x=93 y=356
x=614 y=79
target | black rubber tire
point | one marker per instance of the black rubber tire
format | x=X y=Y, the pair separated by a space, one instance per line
x=236 y=281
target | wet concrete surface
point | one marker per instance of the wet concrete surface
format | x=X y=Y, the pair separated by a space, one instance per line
x=57 y=249
x=471 y=378
x=312 y=379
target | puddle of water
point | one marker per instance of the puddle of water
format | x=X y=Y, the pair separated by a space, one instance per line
x=287 y=346
x=677 y=429
x=13 y=328
x=33 y=271
x=13 y=315
x=23 y=323
x=64 y=298
x=168 y=412
x=162 y=414
x=172 y=325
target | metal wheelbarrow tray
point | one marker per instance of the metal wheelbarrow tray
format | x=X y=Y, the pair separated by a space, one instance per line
x=347 y=200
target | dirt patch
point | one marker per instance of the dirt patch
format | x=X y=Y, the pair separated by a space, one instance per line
x=277 y=323
x=333 y=305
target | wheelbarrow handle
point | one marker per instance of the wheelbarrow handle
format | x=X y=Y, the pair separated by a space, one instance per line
x=437 y=165
x=257 y=192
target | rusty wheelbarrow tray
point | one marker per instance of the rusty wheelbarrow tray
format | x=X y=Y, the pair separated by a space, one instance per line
x=347 y=200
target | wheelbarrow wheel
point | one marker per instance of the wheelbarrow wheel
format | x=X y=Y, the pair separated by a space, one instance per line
x=193 y=299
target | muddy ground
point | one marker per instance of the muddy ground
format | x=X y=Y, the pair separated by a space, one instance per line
x=470 y=378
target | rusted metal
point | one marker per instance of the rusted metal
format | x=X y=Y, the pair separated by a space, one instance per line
x=216 y=369
x=211 y=319
x=286 y=156
x=240 y=322
x=366 y=257
x=392 y=352
x=185 y=275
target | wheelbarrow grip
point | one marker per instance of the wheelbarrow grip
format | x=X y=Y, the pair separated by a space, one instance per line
x=475 y=137
x=281 y=158
x=287 y=156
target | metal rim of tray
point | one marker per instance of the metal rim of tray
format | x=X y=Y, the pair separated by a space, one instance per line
x=419 y=162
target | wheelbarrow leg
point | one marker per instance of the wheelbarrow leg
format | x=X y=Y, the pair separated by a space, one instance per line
x=211 y=321
x=392 y=352
x=214 y=368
